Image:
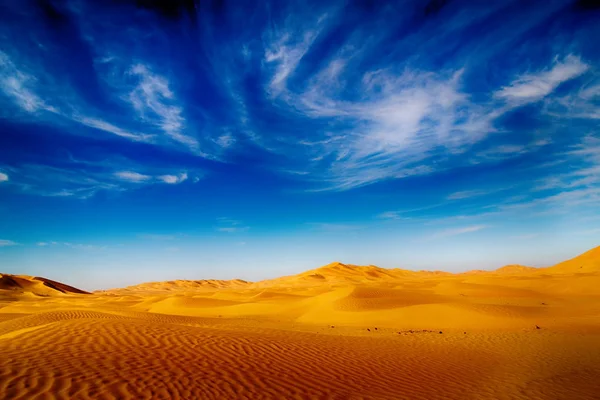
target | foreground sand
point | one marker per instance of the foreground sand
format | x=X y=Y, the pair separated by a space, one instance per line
x=424 y=336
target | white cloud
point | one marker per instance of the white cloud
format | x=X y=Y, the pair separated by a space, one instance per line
x=390 y=215
x=107 y=127
x=286 y=54
x=584 y=159
x=533 y=87
x=17 y=84
x=82 y=246
x=82 y=179
x=132 y=176
x=160 y=237
x=226 y=220
x=399 y=121
x=151 y=98
x=156 y=103
x=3 y=177
x=333 y=227
x=174 y=179
x=467 y=194
x=225 y=141
x=583 y=104
x=229 y=225
x=402 y=122
x=233 y=229
x=79 y=246
x=405 y=214
x=6 y=243
x=460 y=231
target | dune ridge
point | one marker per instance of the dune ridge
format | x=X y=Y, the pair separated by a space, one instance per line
x=36 y=285
x=338 y=273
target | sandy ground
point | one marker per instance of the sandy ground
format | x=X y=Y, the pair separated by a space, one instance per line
x=348 y=333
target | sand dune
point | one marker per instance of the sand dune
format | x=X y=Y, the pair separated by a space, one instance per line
x=588 y=262
x=339 y=332
x=182 y=285
x=35 y=285
x=338 y=273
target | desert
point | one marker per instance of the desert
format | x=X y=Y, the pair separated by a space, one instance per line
x=283 y=199
x=339 y=331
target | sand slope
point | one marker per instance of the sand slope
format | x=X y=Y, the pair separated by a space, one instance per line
x=181 y=284
x=35 y=285
x=588 y=262
x=337 y=332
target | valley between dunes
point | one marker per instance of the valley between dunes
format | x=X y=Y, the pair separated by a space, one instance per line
x=337 y=332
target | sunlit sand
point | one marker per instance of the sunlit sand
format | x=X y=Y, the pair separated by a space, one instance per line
x=340 y=331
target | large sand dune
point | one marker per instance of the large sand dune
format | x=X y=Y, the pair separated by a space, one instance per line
x=340 y=332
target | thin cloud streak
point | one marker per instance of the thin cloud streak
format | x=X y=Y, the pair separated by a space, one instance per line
x=459 y=231
x=533 y=87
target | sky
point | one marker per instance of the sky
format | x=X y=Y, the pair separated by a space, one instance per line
x=145 y=140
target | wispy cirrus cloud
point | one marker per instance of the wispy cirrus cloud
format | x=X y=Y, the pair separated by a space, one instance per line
x=407 y=213
x=156 y=104
x=174 y=179
x=535 y=86
x=7 y=243
x=137 y=177
x=158 y=236
x=467 y=194
x=284 y=51
x=341 y=104
x=132 y=176
x=582 y=171
x=459 y=231
x=233 y=229
x=3 y=177
x=395 y=122
x=228 y=225
x=152 y=104
x=402 y=123
x=390 y=215
x=81 y=179
x=334 y=227
x=19 y=86
x=77 y=246
x=110 y=128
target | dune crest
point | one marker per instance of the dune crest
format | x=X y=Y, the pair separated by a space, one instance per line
x=36 y=285
x=338 y=273
x=588 y=262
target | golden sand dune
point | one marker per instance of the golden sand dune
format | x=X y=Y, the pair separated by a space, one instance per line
x=507 y=269
x=35 y=285
x=336 y=332
x=338 y=273
x=180 y=284
x=588 y=262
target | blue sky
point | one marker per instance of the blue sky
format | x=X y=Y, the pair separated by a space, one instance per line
x=149 y=142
